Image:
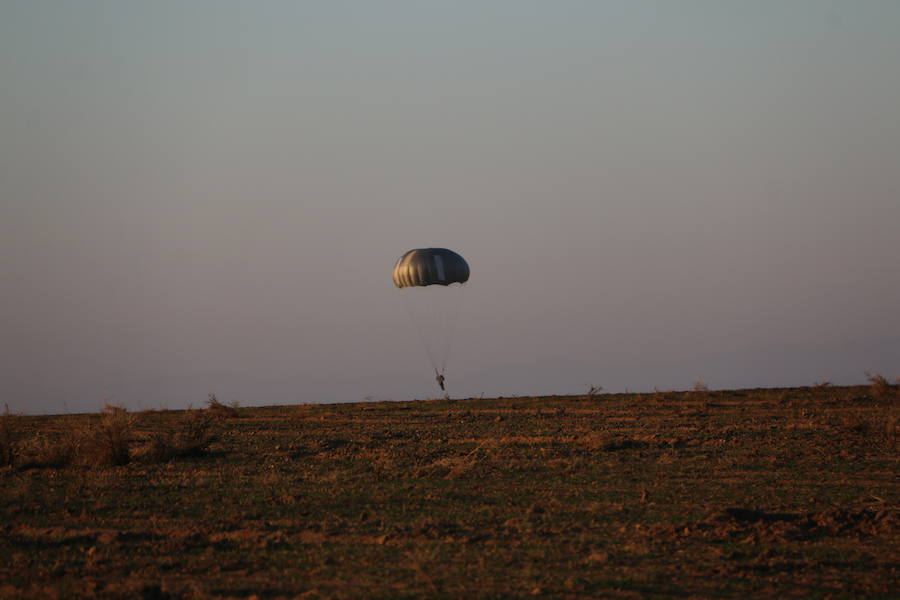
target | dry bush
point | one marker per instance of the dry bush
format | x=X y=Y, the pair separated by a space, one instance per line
x=593 y=390
x=46 y=452
x=8 y=443
x=880 y=387
x=224 y=410
x=162 y=447
x=192 y=436
x=107 y=442
x=700 y=386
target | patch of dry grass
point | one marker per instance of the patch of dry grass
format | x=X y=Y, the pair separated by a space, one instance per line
x=52 y=452
x=8 y=441
x=875 y=432
x=595 y=441
x=552 y=497
x=451 y=467
x=108 y=440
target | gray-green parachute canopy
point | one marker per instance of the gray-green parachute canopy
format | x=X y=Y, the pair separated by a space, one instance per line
x=430 y=266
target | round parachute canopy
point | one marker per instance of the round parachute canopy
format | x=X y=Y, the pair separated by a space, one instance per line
x=430 y=266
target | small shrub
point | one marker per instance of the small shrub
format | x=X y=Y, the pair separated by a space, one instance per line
x=162 y=447
x=196 y=433
x=108 y=443
x=593 y=390
x=192 y=437
x=880 y=387
x=700 y=386
x=224 y=410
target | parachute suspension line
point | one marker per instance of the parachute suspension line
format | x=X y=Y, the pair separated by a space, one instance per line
x=434 y=312
x=416 y=319
x=453 y=317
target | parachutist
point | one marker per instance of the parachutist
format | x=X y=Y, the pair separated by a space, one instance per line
x=433 y=315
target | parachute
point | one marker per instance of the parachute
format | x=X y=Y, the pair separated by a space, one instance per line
x=431 y=281
x=430 y=266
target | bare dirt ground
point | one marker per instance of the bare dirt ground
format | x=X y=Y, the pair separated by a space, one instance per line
x=751 y=493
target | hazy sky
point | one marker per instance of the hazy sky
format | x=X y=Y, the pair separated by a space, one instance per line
x=210 y=196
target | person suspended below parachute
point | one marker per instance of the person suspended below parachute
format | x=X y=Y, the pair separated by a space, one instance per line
x=431 y=281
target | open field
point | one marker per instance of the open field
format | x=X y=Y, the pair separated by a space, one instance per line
x=690 y=494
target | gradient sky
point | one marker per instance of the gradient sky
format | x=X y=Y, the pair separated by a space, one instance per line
x=209 y=196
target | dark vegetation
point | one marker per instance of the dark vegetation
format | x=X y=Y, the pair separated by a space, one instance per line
x=109 y=439
x=762 y=493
